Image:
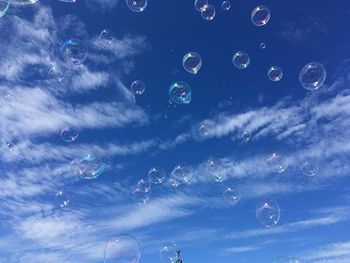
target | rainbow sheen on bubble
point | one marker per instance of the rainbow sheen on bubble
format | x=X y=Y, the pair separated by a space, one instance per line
x=260 y=15
x=309 y=168
x=122 y=249
x=241 y=60
x=180 y=92
x=208 y=13
x=200 y=5
x=192 y=62
x=69 y=134
x=182 y=173
x=137 y=87
x=62 y=199
x=268 y=213
x=231 y=195
x=275 y=73
x=74 y=52
x=156 y=175
x=137 y=5
x=167 y=252
x=226 y=5
x=88 y=167
x=312 y=76
x=107 y=35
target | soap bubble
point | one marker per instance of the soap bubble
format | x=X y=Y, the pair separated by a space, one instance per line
x=277 y=163
x=275 y=73
x=156 y=175
x=107 y=35
x=312 y=76
x=192 y=62
x=245 y=136
x=213 y=169
x=268 y=213
x=57 y=73
x=182 y=173
x=180 y=92
x=203 y=130
x=143 y=185
x=69 y=134
x=232 y=195
x=137 y=5
x=140 y=197
x=122 y=249
x=260 y=15
x=208 y=13
x=200 y=5
x=23 y=2
x=241 y=60
x=74 y=52
x=62 y=199
x=10 y=100
x=309 y=168
x=4 y=6
x=88 y=167
x=262 y=45
x=137 y=87
x=168 y=252
x=226 y=5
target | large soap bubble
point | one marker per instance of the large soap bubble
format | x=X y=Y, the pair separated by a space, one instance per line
x=241 y=60
x=156 y=175
x=74 y=51
x=137 y=5
x=122 y=249
x=260 y=15
x=168 y=252
x=312 y=76
x=268 y=213
x=182 y=173
x=4 y=7
x=192 y=62
x=180 y=92
x=90 y=166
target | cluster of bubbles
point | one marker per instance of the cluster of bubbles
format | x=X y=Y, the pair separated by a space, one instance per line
x=123 y=249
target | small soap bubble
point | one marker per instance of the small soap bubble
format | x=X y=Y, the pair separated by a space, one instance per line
x=182 y=173
x=74 y=51
x=226 y=5
x=241 y=60
x=10 y=100
x=140 y=197
x=192 y=62
x=268 y=213
x=275 y=73
x=57 y=73
x=4 y=7
x=107 y=35
x=213 y=169
x=62 y=199
x=208 y=13
x=156 y=175
x=263 y=45
x=277 y=163
x=203 y=130
x=137 y=5
x=309 y=168
x=137 y=87
x=69 y=134
x=246 y=136
x=260 y=15
x=312 y=76
x=122 y=249
x=180 y=92
x=232 y=195
x=200 y=5
x=90 y=166
x=167 y=252
x=143 y=185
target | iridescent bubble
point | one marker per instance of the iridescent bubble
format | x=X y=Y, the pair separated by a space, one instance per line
x=4 y=6
x=309 y=168
x=262 y=45
x=62 y=199
x=203 y=130
x=180 y=92
x=277 y=163
x=182 y=173
x=245 y=136
x=107 y=35
x=192 y=62
x=260 y=15
x=88 y=167
x=57 y=73
x=208 y=13
x=156 y=175
x=69 y=134
x=143 y=185
x=268 y=213
x=140 y=197
x=241 y=60
x=10 y=100
x=312 y=76
x=232 y=195
x=200 y=5
x=168 y=252
x=137 y=87
x=275 y=73
x=137 y=5
x=74 y=52
x=122 y=249
x=226 y=5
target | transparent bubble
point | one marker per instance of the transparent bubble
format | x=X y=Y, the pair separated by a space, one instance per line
x=137 y=87
x=69 y=134
x=182 y=173
x=140 y=197
x=23 y=2
x=10 y=100
x=74 y=52
x=312 y=76
x=226 y=5
x=89 y=167
x=241 y=60
x=156 y=175
x=213 y=169
x=268 y=213
x=277 y=163
x=203 y=130
x=246 y=136
x=309 y=168
x=57 y=73
x=260 y=15
x=4 y=6
x=232 y=195
x=122 y=249
x=137 y=5
x=286 y=260
x=180 y=92
x=263 y=45
x=275 y=73
x=144 y=185
x=208 y=13
x=62 y=199
x=168 y=252
x=107 y=35
x=192 y=62
x=200 y=5
x=174 y=183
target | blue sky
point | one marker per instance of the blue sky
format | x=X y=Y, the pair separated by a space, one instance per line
x=133 y=134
